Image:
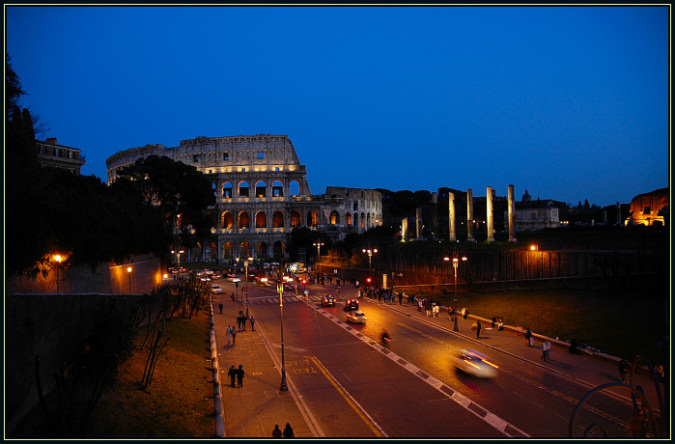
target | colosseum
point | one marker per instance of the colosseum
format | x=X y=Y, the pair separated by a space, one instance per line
x=261 y=195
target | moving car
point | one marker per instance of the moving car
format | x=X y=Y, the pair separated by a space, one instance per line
x=233 y=278
x=476 y=364
x=356 y=317
x=328 y=300
x=262 y=282
x=351 y=304
x=216 y=288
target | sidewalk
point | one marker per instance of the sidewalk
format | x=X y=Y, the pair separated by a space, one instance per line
x=253 y=411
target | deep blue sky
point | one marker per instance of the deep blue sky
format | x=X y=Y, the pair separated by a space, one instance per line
x=570 y=103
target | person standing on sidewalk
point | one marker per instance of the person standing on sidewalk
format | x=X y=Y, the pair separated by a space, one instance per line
x=528 y=337
x=232 y=373
x=240 y=376
x=220 y=306
x=546 y=350
x=252 y=319
x=288 y=431
x=478 y=328
x=276 y=433
x=230 y=335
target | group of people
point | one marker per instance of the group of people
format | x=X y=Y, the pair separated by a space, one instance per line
x=238 y=374
x=287 y=433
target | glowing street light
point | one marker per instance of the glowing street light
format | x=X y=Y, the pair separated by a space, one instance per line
x=179 y=253
x=246 y=289
x=129 y=270
x=455 y=264
x=370 y=252
x=58 y=259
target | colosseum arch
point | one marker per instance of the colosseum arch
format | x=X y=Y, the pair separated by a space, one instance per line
x=356 y=219
x=369 y=222
x=228 y=251
x=277 y=189
x=261 y=220
x=294 y=188
x=348 y=218
x=212 y=217
x=363 y=221
x=243 y=189
x=296 y=219
x=227 y=220
x=278 y=220
x=334 y=217
x=227 y=190
x=245 y=250
x=312 y=218
x=212 y=252
x=261 y=189
x=243 y=220
x=261 y=250
x=278 y=250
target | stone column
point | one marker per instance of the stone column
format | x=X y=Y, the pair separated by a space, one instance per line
x=469 y=216
x=404 y=228
x=490 y=216
x=512 y=214
x=434 y=215
x=418 y=219
x=451 y=217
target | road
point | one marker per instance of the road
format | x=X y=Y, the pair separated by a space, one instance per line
x=357 y=388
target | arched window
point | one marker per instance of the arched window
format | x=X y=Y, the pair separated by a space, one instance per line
x=312 y=219
x=294 y=188
x=278 y=219
x=277 y=189
x=227 y=190
x=261 y=249
x=356 y=219
x=278 y=250
x=227 y=220
x=261 y=220
x=243 y=189
x=296 y=219
x=260 y=189
x=228 y=250
x=243 y=221
x=348 y=218
x=245 y=250
x=363 y=221
x=334 y=217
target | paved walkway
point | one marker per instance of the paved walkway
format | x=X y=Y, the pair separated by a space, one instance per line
x=252 y=411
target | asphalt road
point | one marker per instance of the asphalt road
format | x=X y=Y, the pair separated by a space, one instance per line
x=357 y=388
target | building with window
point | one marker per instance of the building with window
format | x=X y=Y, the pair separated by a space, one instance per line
x=51 y=154
x=532 y=215
x=261 y=194
x=649 y=208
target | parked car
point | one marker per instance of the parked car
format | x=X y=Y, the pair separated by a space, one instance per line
x=215 y=288
x=351 y=304
x=328 y=300
x=475 y=363
x=356 y=317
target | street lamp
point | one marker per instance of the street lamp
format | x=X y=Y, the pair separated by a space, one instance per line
x=447 y=261
x=58 y=259
x=246 y=289
x=129 y=270
x=370 y=252
x=280 y=289
x=318 y=246
x=179 y=253
x=455 y=264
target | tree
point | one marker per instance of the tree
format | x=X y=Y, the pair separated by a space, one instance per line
x=171 y=189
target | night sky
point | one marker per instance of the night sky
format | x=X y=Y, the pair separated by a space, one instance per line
x=570 y=103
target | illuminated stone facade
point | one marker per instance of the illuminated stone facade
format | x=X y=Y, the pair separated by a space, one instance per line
x=51 y=154
x=648 y=208
x=261 y=195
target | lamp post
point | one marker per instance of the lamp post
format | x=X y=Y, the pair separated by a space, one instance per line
x=280 y=289
x=446 y=259
x=370 y=252
x=246 y=288
x=455 y=265
x=58 y=259
x=318 y=246
x=178 y=257
x=129 y=270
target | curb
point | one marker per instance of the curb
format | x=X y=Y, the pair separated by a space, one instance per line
x=219 y=425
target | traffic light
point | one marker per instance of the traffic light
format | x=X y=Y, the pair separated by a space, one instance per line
x=304 y=281
x=369 y=280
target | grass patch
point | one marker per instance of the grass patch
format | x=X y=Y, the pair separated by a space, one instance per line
x=177 y=404
x=621 y=325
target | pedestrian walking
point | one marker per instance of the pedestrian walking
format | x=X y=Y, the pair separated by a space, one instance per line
x=276 y=433
x=232 y=373
x=240 y=376
x=546 y=350
x=478 y=328
x=220 y=306
x=288 y=431
x=494 y=321
x=500 y=326
x=234 y=335
x=528 y=337
x=230 y=337
x=252 y=319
